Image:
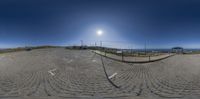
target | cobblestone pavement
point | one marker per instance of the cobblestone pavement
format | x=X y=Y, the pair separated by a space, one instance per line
x=59 y=73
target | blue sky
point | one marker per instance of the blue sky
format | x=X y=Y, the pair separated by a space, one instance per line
x=128 y=23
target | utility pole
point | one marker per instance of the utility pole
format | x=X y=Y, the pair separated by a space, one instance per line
x=105 y=50
x=81 y=47
x=122 y=55
x=95 y=46
x=101 y=45
x=82 y=43
x=131 y=49
x=145 y=48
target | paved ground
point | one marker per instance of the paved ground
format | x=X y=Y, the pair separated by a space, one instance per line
x=57 y=73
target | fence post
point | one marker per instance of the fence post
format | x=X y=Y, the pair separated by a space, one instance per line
x=105 y=51
x=122 y=56
x=149 y=57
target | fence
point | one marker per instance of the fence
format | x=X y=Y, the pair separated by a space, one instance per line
x=124 y=51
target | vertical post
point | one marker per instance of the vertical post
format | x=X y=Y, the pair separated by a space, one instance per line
x=145 y=48
x=149 y=57
x=132 y=51
x=105 y=50
x=181 y=50
x=101 y=46
x=81 y=44
x=95 y=46
x=122 y=55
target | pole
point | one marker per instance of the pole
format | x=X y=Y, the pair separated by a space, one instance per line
x=105 y=51
x=81 y=44
x=145 y=47
x=122 y=55
x=95 y=48
x=132 y=50
x=149 y=57
x=102 y=47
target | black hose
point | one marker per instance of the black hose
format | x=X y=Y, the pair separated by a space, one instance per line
x=107 y=74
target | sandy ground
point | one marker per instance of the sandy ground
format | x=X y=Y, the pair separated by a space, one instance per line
x=57 y=73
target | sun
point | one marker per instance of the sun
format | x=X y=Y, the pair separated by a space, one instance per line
x=99 y=32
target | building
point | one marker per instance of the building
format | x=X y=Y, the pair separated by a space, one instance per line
x=177 y=50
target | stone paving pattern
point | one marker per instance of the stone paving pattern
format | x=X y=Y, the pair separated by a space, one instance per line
x=61 y=73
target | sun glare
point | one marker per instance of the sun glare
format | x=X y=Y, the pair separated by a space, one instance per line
x=99 y=32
